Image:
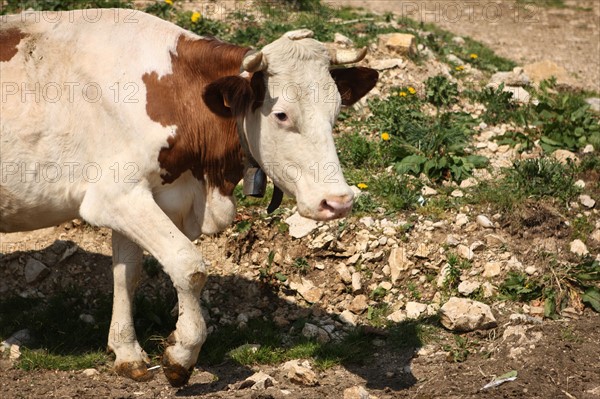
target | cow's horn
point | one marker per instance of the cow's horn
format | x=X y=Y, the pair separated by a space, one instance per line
x=254 y=62
x=299 y=34
x=344 y=56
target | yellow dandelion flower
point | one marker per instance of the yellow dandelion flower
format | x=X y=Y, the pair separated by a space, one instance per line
x=169 y=2
x=196 y=16
x=385 y=136
x=402 y=94
x=412 y=90
x=474 y=56
x=459 y=68
x=362 y=186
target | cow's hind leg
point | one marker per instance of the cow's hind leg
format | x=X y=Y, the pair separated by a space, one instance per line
x=131 y=359
x=136 y=215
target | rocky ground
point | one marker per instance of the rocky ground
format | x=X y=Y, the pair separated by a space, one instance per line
x=327 y=280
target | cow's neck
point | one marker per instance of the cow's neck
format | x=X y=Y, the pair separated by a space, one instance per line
x=203 y=142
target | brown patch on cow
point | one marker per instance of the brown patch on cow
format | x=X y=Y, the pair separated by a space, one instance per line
x=205 y=143
x=9 y=40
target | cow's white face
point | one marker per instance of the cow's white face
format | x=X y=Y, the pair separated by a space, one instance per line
x=295 y=102
x=290 y=136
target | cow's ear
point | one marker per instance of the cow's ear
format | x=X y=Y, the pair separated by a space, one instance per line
x=229 y=96
x=353 y=83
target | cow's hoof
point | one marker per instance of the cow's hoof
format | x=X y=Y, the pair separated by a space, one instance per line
x=137 y=371
x=177 y=375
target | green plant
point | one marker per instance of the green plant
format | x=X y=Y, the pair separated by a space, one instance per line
x=458 y=352
x=520 y=287
x=419 y=143
x=441 y=91
x=377 y=314
x=16 y=6
x=397 y=192
x=543 y=177
x=499 y=104
x=161 y=8
x=567 y=285
x=302 y=265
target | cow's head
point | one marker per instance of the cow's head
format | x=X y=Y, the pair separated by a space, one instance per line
x=287 y=99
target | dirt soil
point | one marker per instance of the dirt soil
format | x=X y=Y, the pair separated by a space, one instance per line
x=529 y=33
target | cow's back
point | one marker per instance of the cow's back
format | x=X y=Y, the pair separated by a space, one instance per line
x=73 y=108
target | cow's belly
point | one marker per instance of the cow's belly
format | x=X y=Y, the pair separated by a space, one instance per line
x=20 y=214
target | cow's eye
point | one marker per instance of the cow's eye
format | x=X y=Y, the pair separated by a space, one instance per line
x=281 y=116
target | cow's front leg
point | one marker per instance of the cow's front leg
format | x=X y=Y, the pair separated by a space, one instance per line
x=139 y=218
x=131 y=360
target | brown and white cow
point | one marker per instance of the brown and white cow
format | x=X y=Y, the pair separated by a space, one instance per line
x=132 y=123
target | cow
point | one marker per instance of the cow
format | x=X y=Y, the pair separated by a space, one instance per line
x=132 y=123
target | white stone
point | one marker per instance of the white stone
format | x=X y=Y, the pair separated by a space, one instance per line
x=422 y=251
x=300 y=374
x=530 y=270
x=579 y=248
x=35 y=271
x=519 y=94
x=347 y=317
x=397 y=316
x=359 y=304
x=595 y=235
x=307 y=289
x=458 y=40
x=484 y=222
x=492 y=269
x=90 y=372
x=461 y=219
x=587 y=201
x=462 y=314
x=400 y=43
x=488 y=289
x=415 y=309
x=588 y=149
x=427 y=191
x=594 y=103
x=344 y=273
x=357 y=392
x=564 y=156
x=454 y=59
x=299 y=226
x=457 y=194
x=452 y=240
x=258 y=381
x=388 y=63
x=367 y=221
x=356 y=282
x=398 y=262
x=468 y=287
x=464 y=252
x=445 y=270
x=470 y=182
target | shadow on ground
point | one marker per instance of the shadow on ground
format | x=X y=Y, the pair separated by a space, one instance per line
x=58 y=328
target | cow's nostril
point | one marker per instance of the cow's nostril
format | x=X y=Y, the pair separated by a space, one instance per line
x=325 y=206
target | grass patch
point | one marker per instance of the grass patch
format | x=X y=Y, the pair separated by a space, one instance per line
x=16 y=6
x=530 y=179
x=39 y=359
